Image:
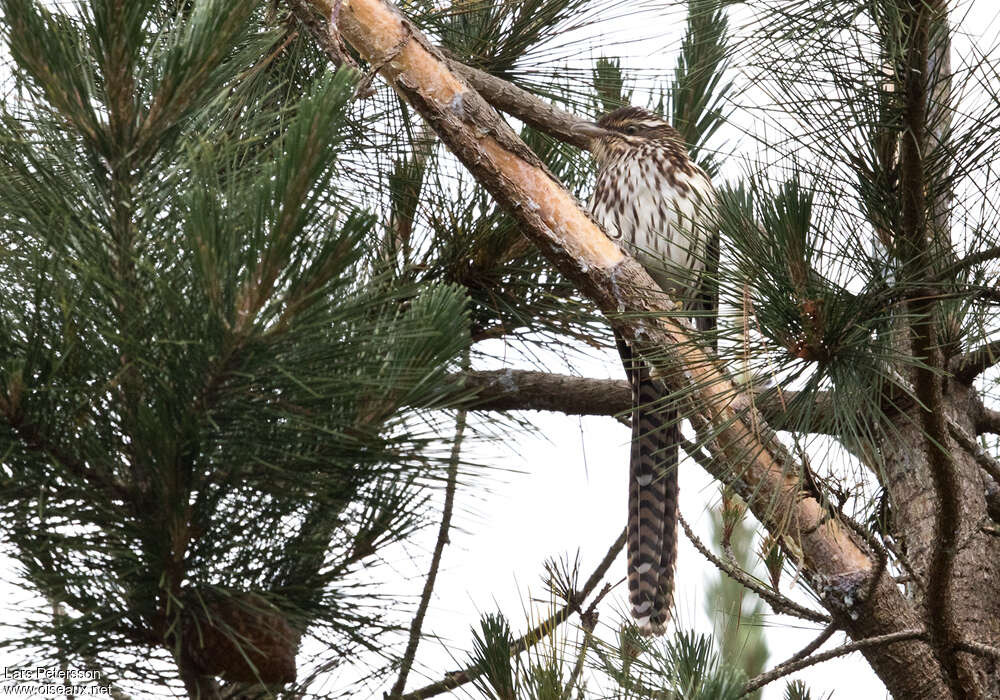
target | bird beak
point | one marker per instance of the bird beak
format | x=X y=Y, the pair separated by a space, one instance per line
x=589 y=130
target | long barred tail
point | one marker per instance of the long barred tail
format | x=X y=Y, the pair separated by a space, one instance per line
x=652 y=502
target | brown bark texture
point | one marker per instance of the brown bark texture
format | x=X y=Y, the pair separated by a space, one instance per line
x=934 y=485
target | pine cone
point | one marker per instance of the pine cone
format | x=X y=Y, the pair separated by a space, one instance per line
x=240 y=637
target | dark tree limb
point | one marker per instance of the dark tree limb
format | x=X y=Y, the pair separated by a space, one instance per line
x=985 y=650
x=987 y=421
x=526 y=390
x=969 y=261
x=986 y=461
x=529 y=108
x=970 y=365
x=34 y=439
x=917 y=250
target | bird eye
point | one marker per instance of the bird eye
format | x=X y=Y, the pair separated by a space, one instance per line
x=631 y=129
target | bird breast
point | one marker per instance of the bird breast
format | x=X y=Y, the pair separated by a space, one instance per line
x=656 y=202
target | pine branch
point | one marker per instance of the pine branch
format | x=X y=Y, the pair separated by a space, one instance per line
x=442 y=539
x=970 y=261
x=791 y=666
x=918 y=255
x=812 y=646
x=987 y=462
x=980 y=649
x=33 y=439
x=778 y=602
x=502 y=94
x=520 y=103
x=526 y=390
x=987 y=421
x=538 y=633
x=970 y=365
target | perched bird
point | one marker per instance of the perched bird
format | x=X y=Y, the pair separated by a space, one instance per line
x=652 y=197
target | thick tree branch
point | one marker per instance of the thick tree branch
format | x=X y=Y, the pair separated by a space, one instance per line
x=919 y=248
x=987 y=421
x=527 y=390
x=758 y=466
x=969 y=366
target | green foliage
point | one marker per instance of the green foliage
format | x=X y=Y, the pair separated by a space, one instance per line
x=204 y=383
x=496 y=35
x=797 y=690
x=700 y=91
x=534 y=675
x=491 y=655
x=810 y=327
x=609 y=84
x=737 y=614
x=685 y=667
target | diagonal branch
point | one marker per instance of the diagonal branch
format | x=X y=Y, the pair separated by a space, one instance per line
x=759 y=467
x=791 y=666
x=987 y=421
x=778 y=602
x=529 y=108
x=534 y=635
x=34 y=439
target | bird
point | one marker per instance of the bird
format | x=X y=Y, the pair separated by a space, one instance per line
x=651 y=197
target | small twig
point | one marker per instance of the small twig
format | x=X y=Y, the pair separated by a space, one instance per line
x=815 y=644
x=449 y=502
x=988 y=421
x=778 y=602
x=790 y=666
x=534 y=635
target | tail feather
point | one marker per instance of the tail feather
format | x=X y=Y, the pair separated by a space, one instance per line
x=653 y=492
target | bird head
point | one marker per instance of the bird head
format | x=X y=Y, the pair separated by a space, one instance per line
x=628 y=128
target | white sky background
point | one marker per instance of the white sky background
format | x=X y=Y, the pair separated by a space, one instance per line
x=564 y=488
